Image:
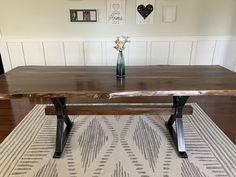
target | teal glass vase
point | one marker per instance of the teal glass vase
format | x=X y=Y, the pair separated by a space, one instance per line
x=120 y=66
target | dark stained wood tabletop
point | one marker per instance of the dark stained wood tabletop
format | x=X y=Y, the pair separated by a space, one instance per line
x=101 y=81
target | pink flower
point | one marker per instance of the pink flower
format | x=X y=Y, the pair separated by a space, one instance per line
x=120 y=44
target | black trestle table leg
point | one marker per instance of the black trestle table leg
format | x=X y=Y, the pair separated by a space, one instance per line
x=178 y=134
x=61 y=134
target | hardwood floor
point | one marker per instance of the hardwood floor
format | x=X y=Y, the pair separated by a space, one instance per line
x=221 y=109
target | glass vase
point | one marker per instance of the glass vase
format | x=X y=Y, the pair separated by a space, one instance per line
x=120 y=66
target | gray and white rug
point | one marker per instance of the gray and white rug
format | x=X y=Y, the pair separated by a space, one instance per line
x=116 y=146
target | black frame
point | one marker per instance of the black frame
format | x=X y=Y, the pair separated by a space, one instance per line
x=86 y=15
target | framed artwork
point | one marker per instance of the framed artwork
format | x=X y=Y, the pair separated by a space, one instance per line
x=145 y=10
x=116 y=12
x=83 y=15
x=169 y=14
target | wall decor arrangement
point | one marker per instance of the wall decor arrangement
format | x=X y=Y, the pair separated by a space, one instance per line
x=83 y=15
x=116 y=11
x=145 y=10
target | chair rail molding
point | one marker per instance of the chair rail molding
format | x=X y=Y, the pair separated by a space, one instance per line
x=186 y=50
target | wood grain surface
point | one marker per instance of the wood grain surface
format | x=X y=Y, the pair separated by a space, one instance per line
x=101 y=82
x=119 y=109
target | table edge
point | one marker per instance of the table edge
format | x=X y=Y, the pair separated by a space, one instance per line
x=111 y=95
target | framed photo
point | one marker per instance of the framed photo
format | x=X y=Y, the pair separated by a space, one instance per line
x=83 y=15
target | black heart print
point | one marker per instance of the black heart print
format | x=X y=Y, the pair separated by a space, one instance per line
x=145 y=11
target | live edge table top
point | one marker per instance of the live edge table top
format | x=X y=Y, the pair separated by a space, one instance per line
x=101 y=81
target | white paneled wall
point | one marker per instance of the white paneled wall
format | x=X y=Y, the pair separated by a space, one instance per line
x=144 y=51
x=204 y=52
x=182 y=53
x=93 y=53
x=137 y=53
x=54 y=53
x=16 y=54
x=110 y=53
x=159 y=54
x=33 y=52
x=74 y=53
x=228 y=53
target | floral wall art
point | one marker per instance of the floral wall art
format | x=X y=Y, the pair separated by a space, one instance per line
x=116 y=11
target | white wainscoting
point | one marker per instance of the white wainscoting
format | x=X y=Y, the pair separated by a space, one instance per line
x=141 y=51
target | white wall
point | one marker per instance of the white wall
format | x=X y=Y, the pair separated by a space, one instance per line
x=50 y=19
x=40 y=33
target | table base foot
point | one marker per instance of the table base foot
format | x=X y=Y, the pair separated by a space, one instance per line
x=183 y=155
x=57 y=155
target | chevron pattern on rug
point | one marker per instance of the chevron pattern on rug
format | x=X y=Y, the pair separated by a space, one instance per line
x=117 y=146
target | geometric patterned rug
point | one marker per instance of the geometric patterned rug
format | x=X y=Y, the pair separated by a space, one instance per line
x=117 y=146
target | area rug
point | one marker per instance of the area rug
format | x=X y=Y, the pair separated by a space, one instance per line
x=116 y=146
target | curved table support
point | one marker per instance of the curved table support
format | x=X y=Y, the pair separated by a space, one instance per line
x=178 y=135
x=61 y=134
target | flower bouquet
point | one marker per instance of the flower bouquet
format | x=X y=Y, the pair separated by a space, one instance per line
x=120 y=46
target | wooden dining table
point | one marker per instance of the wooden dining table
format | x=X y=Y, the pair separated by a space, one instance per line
x=101 y=83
